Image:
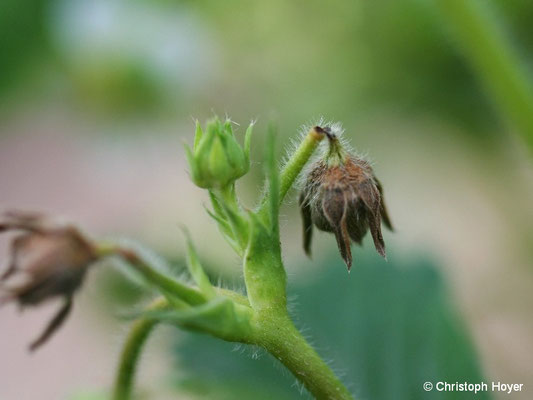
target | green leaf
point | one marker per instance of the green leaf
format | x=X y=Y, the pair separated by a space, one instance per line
x=196 y=270
x=222 y=223
x=273 y=180
x=197 y=135
x=219 y=317
x=195 y=175
x=226 y=231
x=207 y=139
x=219 y=211
x=248 y=142
x=239 y=226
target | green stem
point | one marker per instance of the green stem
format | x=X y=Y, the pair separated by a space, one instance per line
x=278 y=335
x=294 y=166
x=227 y=193
x=265 y=280
x=167 y=284
x=131 y=351
x=297 y=161
x=493 y=58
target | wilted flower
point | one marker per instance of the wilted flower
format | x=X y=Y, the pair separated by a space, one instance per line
x=217 y=159
x=47 y=260
x=341 y=195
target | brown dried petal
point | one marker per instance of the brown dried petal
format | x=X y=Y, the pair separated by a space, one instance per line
x=334 y=206
x=357 y=222
x=383 y=210
x=305 y=210
x=28 y=221
x=343 y=243
x=53 y=325
x=370 y=195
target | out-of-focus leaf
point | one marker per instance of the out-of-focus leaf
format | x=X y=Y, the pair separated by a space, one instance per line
x=89 y=395
x=23 y=39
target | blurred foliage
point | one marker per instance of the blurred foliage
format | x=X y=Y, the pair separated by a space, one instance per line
x=119 y=288
x=348 y=60
x=115 y=292
x=518 y=15
x=117 y=87
x=24 y=43
x=389 y=327
x=89 y=395
x=414 y=67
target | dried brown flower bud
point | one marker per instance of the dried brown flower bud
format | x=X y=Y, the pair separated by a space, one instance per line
x=47 y=260
x=341 y=195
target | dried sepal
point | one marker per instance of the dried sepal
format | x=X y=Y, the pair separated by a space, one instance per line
x=55 y=323
x=383 y=210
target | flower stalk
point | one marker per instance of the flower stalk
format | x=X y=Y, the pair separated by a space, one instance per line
x=131 y=352
x=297 y=161
x=154 y=277
x=279 y=336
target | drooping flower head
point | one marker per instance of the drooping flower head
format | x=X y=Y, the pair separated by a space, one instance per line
x=342 y=195
x=48 y=259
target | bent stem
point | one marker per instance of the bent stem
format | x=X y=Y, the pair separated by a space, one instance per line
x=273 y=330
x=165 y=283
x=123 y=385
x=294 y=166
x=278 y=335
x=300 y=157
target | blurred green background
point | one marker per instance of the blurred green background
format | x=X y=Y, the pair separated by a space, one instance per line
x=96 y=98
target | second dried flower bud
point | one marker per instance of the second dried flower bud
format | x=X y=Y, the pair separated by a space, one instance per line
x=48 y=260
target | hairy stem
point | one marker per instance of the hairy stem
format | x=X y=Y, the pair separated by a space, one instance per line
x=297 y=161
x=294 y=165
x=278 y=335
x=123 y=386
x=493 y=58
x=167 y=284
x=265 y=280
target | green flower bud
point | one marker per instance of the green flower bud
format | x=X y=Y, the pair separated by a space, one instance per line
x=217 y=159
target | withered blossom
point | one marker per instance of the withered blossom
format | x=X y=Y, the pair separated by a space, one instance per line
x=341 y=195
x=47 y=260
